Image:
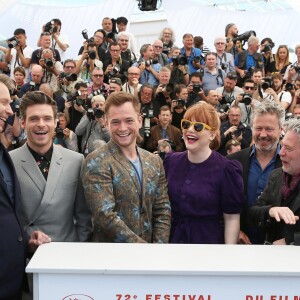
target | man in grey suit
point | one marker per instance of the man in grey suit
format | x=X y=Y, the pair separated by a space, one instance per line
x=50 y=176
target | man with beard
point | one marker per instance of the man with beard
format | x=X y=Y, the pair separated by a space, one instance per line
x=258 y=161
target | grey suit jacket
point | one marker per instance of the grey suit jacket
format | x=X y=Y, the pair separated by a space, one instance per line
x=56 y=206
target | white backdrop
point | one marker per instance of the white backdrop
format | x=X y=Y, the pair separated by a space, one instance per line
x=182 y=15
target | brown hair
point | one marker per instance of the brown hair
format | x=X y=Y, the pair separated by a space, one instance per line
x=118 y=99
x=205 y=113
x=20 y=70
x=37 y=97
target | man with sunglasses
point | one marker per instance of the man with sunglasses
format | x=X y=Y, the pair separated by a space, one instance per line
x=126 y=52
x=158 y=54
x=234 y=129
x=97 y=85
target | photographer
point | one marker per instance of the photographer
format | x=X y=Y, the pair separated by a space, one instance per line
x=114 y=65
x=167 y=36
x=45 y=43
x=193 y=55
x=87 y=61
x=132 y=86
x=126 y=53
x=179 y=68
x=67 y=79
x=231 y=32
x=178 y=107
x=212 y=76
x=59 y=41
x=76 y=104
x=164 y=90
x=148 y=66
x=97 y=86
x=195 y=91
x=248 y=60
x=93 y=126
x=37 y=74
x=3 y=64
x=98 y=39
x=63 y=135
x=266 y=46
x=158 y=54
x=296 y=96
x=51 y=68
x=164 y=131
x=234 y=129
x=293 y=71
x=18 y=53
x=225 y=60
x=115 y=85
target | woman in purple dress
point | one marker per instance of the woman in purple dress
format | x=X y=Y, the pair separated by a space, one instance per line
x=205 y=189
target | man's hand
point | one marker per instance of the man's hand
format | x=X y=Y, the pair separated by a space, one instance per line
x=37 y=238
x=280 y=242
x=230 y=130
x=283 y=213
x=243 y=238
x=68 y=104
x=66 y=132
x=79 y=108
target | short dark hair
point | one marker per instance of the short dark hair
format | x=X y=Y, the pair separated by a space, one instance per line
x=37 y=97
x=80 y=84
x=164 y=108
x=57 y=21
x=122 y=20
x=20 y=70
x=249 y=80
x=102 y=31
x=196 y=74
x=113 y=44
x=69 y=60
x=118 y=99
x=19 y=31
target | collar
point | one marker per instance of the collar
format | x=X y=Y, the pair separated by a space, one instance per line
x=37 y=156
x=253 y=151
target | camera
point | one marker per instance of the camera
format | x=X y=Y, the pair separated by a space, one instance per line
x=243 y=37
x=86 y=37
x=102 y=90
x=151 y=62
x=267 y=48
x=197 y=88
x=110 y=35
x=296 y=68
x=224 y=66
x=180 y=103
x=179 y=60
x=196 y=59
x=289 y=86
x=240 y=129
x=267 y=83
x=224 y=108
x=167 y=88
x=247 y=98
x=50 y=27
x=59 y=133
x=68 y=77
x=166 y=50
x=15 y=108
x=49 y=62
x=92 y=54
x=226 y=99
x=115 y=71
x=32 y=86
x=93 y=113
x=73 y=97
x=147 y=114
x=12 y=42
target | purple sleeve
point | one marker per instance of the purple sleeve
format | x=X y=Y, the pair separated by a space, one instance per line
x=232 y=188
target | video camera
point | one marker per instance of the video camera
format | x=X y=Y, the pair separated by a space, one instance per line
x=50 y=27
x=12 y=42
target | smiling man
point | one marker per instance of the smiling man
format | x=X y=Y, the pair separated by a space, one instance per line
x=125 y=185
x=258 y=161
x=50 y=176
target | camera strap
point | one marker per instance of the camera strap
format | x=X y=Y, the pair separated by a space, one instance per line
x=89 y=134
x=18 y=61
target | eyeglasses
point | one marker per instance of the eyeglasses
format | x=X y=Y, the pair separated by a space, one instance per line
x=220 y=43
x=133 y=74
x=114 y=50
x=69 y=67
x=252 y=88
x=98 y=75
x=198 y=126
x=99 y=37
x=123 y=40
x=159 y=47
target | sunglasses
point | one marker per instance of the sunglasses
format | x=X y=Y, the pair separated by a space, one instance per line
x=252 y=88
x=198 y=126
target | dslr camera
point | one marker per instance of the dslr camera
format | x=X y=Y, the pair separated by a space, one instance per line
x=115 y=71
x=197 y=88
x=147 y=114
x=69 y=77
x=226 y=99
x=96 y=112
x=296 y=68
x=50 y=27
x=73 y=98
x=247 y=98
x=179 y=103
x=49 y=62
x=179 y=60
x=86 y=37
x=12 y=42
x=92 y=54
x=240 y=129
x=268 y=83
x=59 y=132
x=150 y=62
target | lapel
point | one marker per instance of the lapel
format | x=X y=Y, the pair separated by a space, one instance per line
x=143 y=160
x=30 y=167
x=120 y=157
x=53 y=180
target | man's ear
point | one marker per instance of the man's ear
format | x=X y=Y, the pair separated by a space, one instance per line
x=23 y=123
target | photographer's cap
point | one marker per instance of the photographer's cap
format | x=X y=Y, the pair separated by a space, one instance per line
x=116 y=80
x=98 y=98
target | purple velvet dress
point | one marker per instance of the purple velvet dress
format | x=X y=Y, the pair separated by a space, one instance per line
x=200 y=194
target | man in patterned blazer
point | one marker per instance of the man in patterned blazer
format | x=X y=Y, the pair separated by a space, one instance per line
x=124 y=185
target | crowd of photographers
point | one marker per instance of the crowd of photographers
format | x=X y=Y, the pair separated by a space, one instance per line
x=167 y=78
